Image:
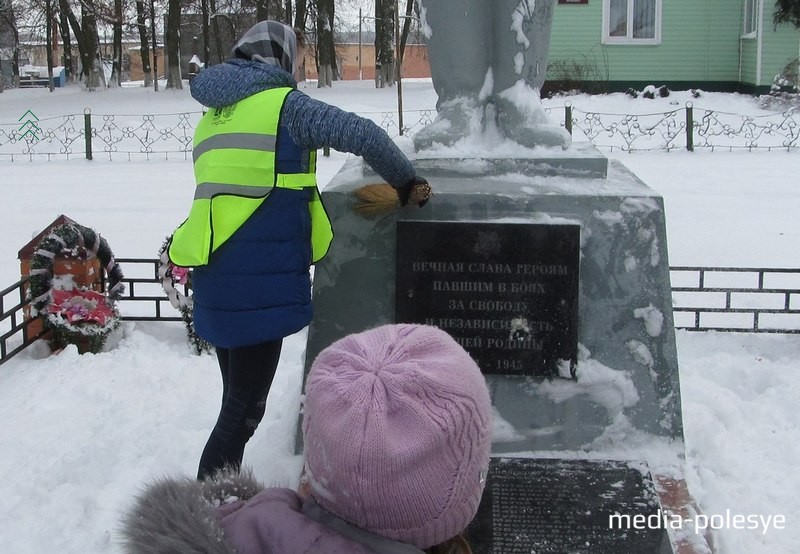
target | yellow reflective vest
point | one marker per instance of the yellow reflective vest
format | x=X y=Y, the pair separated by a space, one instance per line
x=235 y=171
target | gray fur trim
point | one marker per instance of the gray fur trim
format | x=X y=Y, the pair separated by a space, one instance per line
x=177 y=515
x=227 y=486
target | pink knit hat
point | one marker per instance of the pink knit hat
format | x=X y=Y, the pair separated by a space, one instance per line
x=397 y=429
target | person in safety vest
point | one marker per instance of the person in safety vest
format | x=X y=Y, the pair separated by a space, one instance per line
x=257 y=222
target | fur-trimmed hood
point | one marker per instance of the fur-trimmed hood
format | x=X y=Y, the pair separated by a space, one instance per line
x=179 y=515
x=233 y=514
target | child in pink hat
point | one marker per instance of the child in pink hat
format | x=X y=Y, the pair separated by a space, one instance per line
x=397 y=435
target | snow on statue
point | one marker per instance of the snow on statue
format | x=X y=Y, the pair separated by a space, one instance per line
x=488 y=62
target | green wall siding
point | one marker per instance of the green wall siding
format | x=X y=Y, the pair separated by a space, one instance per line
x=749 y=56
x=781 y=46
x=700 y=42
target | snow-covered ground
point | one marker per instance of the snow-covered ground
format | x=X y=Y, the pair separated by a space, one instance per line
x=80 y=434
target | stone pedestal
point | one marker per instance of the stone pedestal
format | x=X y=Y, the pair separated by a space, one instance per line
x=627 y=372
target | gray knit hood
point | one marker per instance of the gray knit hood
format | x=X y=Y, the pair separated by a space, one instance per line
x=269 y=42
x=264 y=59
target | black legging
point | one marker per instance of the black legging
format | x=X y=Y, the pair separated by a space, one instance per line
x=247 y=374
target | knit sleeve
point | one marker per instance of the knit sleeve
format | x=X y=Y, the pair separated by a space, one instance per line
x=314 y=124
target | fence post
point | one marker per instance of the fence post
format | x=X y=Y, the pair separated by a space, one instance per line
x=568 y=117
x=689 y=127
x=87 y=132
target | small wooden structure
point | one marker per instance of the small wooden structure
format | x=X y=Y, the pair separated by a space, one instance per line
x=78 y=265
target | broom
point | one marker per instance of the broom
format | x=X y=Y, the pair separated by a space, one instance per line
x=381 y=198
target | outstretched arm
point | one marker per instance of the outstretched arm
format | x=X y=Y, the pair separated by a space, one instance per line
x=314 y=124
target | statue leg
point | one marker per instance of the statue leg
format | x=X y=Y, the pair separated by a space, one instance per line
x=521 y=50
x=459 y=38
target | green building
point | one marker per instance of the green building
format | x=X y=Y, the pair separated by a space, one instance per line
x=721 y=45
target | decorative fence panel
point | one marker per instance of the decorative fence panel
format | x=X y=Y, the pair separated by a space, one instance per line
x=726 y=299
x=148 y=136
x=159 y=136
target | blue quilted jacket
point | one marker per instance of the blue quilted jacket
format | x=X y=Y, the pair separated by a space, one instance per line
x=256 y=287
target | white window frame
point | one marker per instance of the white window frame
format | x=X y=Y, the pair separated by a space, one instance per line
x=607 y=39
x=753 y=19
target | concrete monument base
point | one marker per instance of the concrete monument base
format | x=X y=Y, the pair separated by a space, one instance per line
x=626 y=379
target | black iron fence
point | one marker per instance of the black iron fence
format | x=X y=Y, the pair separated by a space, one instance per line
x=688 y=127
x=750 y=300
x=161 y=136
x=726 y=299
x=14 y=323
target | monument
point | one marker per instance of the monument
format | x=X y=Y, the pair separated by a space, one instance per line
x=551 y=270
x=488 y=62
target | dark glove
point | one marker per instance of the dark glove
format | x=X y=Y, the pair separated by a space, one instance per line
x=417 y=191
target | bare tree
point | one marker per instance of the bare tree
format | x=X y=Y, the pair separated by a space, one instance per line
x=9 y=21
x=155 y=43
x=85 y=32
x=409 y=16
x=48 y=14
x=66 y=41
x=172 y=38
x=206 y=15
x=216 y=30
x=326 y=53
x=116 y=23
x=384 y=49
x=144 y=47
x=300 y=14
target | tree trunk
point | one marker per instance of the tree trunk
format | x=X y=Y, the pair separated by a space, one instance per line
x=205 y=14
x=325 y=47
x=384 y=49
x=262 y=10
x=406 y=28
x=116 y=71
x=173 y=40
x=144 y=47
x=8 y=20
x=66 y=41
x=93 y=66
x=216 y=33
x=300 y=14
x=155 y=43
x=48 y=14
x=15 y=59
x=86 y=64
x=85 y=32
x=288 y=10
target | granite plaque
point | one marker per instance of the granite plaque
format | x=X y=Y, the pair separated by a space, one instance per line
x=552 y=506
x=507 y=292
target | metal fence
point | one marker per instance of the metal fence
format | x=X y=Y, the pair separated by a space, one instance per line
x=689 y=127
x=14 y=333
x=759 y=300
x=161 y=136
x=726 y=299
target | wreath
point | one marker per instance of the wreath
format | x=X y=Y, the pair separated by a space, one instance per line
x=170 y=276
x=79 y=316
